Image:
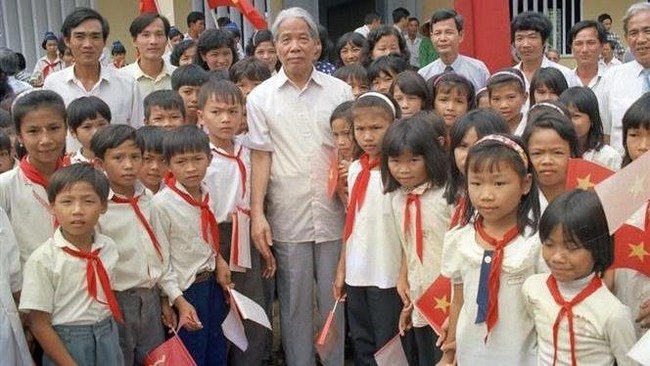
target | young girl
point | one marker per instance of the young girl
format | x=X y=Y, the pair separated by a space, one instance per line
x=547 y=84
x=183 y=53
x=489 y=256
x=482 y=98
x=453 y=96
x=551 y=141
x=216 y=49
x=583 y=108
x=383 y=71
x=118 y=51
x=349 y=48
x=411 y=93
x=354 y=75
x=413 y=166
x=385 y=40
x=507 y=91
x=347 y=149
x=369 y=265
x=576 y=317
x=470 y=128
x=50 y=62
x=261 y=46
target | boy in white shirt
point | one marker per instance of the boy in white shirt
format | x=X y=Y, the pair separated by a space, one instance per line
x=86 y=115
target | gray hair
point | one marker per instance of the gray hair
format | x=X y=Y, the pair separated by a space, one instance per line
x=635 y=9
x=294 y=12
x=8 y=61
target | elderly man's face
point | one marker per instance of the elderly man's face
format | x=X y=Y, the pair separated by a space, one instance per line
x=296 y=47
x=638 y=37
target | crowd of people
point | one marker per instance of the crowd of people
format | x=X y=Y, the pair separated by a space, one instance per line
x=134 y=197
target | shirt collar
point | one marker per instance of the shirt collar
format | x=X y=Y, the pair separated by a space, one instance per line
x=61 y=242
x=70 y=76
x=139 y=191
x=167 y=70
x=315 y=76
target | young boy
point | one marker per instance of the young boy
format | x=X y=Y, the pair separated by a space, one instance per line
x=164 y=108
x=221 y=106
x=187 y=81
x=153 y=170
x=86 y=115
x=144 y=257
x=248 y=73
x=183 y=210
x=67 y=285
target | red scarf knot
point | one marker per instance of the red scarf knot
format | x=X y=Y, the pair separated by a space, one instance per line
x=358 y=194
x=240 y=166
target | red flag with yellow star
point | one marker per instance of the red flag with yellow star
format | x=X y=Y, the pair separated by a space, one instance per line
x=632 y=249
x=585 y=174
x=434 y=303
x=249 y=11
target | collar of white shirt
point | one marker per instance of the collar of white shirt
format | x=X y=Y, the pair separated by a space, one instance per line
x=315 y=76
x=71 y=77
x=61 y=242
x=167 y=70
x=139 y=191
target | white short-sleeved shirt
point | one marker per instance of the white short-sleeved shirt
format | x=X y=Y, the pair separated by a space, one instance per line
x=613 y=63
x=436 y=215
x=293 y=124
x=603 y=327
x=472 y=69
x=43 y=62
x=373 y=250
x=224 y=181
x=26 y=203
x=512 y=340
x=606 y=156
x=55 y=282
x=146 y=83
x=594 y=84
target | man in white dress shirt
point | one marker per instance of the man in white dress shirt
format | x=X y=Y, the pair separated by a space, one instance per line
x=586 y=39
x=370 y=22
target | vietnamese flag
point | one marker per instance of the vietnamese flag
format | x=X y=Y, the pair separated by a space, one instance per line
x=632 y=249
x=434 y=303
x=249 y=11
x=148 y=6
x=585 y=174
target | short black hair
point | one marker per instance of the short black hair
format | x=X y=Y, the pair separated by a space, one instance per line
x=150 y=138
x=390 y=64
x=448 y=81
x=354 y=72
x=5 y=141
x=84 y=108
x=250 y=68
x=604 y=16
x=584 y=225
x=412 y=83
x=383 y=31
x=80 y=15
x=179 y=49
x=165 y=99
x=223 y=21
x=371 y=18
x=212 y=39
x=531 y=21
x=549 y=77
x=185 y=139
x=584 y=100
x=63 y=179
x=194 y=17
x=192 y=75
x=5 y=119
x=33 y=100
x=508 y=75
x=141 y=22
x=444 y=14
x=117 y=48
x=224 y=91
x=637 y=116
x=601 y=33
x=399 y=14
x=111 y=137
x=22 y=63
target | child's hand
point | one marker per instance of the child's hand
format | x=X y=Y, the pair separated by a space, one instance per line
x=169 y=318
x=443 y=334
x=644 y=314
x=404 y=290
x=344 y=165
x=261 y=234
x=223 y=274
x=187 y=314
x=338 y=287
x=405 y=323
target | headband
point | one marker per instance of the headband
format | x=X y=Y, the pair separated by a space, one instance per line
x=382 y=97
x=508 y=143
x=509 y=73
x=546 y=104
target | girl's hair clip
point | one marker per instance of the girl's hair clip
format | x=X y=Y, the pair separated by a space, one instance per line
x=509 y=73
x=508 y=143
x=546 y=104
x=382 y=97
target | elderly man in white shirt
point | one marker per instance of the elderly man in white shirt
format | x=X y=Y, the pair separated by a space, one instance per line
x=587 y=38
x=291 y=146
x=446 y=35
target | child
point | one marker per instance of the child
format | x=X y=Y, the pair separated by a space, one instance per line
x=383 y=41
x=551 y=141
x=7 y=161
x=373 y=303
x=249 y=73
x=118 y=51
x=164 y=108
x=187 y=81
x=67 y=289
x=482 y=98
x=153 y=169
x=453 y=96
x=347 y=149
x=216 y=49
x=7 y=126
x=577 y=248
x=508 y=96
x=39 y=118
x=50 y=62
x=261 y=46
x=183 y=209
x=413 y=166
x=183 y=53
x=583 y=106
x=221 y=106
x=490 y=254
x=383 y=70
x=349 y=49
x=86 y=116
x=411 y=93
x=547 y=85
x=354 y=75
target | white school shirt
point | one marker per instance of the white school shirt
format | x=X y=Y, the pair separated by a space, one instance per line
x=146 y=83
x=26 y=204
x=139 y=265
x=12 y=336
x=224 y=182
x=42 y=63
x=472 y=69
x=621 y=87
x=293 y=125
x=55 y=282
x=180 y=224
x=512 y=340
x=603 y=327
x=373 y=252
x=436 y=215
x=606 y=156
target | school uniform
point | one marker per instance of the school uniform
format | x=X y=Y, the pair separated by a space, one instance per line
x=603 y=328
x=193 y=260
x=45 y=67
x=512 y=339
x=55 y=283
x=606 y=156
x=422 y=271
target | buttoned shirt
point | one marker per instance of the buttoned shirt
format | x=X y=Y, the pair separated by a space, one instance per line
x=594 y=83
x=148 y=84
x=472 y=69
x=414 y=49
x=224 y=181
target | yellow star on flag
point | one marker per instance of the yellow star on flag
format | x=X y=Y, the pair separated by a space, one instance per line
x=638 y=186
x=442 y=303
x=585 y=183
x=638 y=251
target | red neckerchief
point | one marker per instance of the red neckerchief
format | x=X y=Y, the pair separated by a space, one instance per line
x=240 y=165
x=459 y=213
x=133 y=201
x=358 y=194
x=94 y=261
x=33 y=175
x=495 y=268
x=208 y=221
x=566 y=307
x=414 y=198
x=49 y=67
